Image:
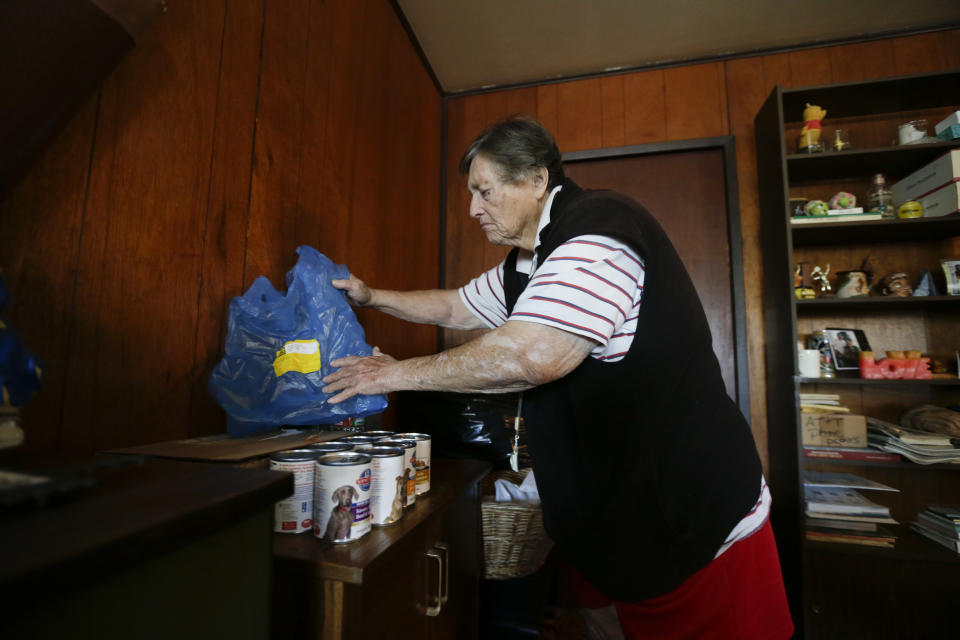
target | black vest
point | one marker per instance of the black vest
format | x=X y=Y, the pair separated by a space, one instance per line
x=644 y=465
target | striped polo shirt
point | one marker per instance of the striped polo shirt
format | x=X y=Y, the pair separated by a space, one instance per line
x=591 y=286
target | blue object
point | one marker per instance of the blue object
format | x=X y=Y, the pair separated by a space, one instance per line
x=279 y=347
x=20 y=370
x=950 y=133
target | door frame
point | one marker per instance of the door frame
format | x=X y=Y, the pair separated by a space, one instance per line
x=726 y=145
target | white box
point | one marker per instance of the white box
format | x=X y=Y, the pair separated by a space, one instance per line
x=928 y=178
x=942 y=202
x=953 y=118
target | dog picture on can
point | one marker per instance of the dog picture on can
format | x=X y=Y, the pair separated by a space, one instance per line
x=341 y=517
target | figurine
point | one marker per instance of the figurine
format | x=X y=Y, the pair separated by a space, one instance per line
x=852 y=283
x=800 y=288
x=925 y=287
x=894 y=284
x=816 y=208
x=843 y=200
x=810 y=133
x=821 y=283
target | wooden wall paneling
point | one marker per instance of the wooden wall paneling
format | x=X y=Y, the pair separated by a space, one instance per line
x=808 y=68
x=410 y=194
x=580 y=116
x=645 y=109
x=861 y=61
x=921 y=53
x=228 y=202
x=696 y=101
x=613 y=120
x=468 y=253
x=132 y=346
x=312 y=216
x=747 y=88
x=41 y=221
x=548 y=106
x=271 y=238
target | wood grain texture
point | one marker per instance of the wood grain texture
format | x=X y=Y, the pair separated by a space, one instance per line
x=234 y=132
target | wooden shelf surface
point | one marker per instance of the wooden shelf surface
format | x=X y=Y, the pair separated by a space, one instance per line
x=877 y=231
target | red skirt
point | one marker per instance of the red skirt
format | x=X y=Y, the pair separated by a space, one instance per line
x=738 y=596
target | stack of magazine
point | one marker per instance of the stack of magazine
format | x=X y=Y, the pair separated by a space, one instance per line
x=837 y=512
x=940 y=524
x=918 y=446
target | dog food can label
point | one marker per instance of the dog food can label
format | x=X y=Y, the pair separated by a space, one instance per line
x=295 y=514
x=423 y=459
x=409 y=466
x=389 y=487
x=341 y=500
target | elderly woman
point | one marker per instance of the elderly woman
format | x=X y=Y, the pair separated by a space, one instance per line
x=648 y=474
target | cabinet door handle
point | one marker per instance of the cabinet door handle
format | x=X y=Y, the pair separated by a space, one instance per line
x=434 y=610
x=445 y=589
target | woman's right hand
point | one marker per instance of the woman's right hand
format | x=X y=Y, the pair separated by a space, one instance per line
x=358 y=293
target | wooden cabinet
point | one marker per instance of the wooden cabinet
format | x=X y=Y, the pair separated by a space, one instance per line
x=124 y=548
x=845 y=590
x=416 y=579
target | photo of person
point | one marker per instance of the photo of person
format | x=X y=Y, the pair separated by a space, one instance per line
x=846 y=348
x=951 y=272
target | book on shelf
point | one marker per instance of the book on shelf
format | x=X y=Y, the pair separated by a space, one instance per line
x=882 y=537
x=841 y=500
x=844 y=212
x=822 y=398
x=847 y=525
x=862 y=454
x=948 y=513
x=944 y=528
x=946 y=541
x=849 y=517
x=842 y=480
x=909 y=436
x=919 y=453
x=852 y=217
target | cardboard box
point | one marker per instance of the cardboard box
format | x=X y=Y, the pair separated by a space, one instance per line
x=928 y=178
x=942 y=202
x=833 y=430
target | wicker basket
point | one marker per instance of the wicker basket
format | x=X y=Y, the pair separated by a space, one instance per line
x=514 y=542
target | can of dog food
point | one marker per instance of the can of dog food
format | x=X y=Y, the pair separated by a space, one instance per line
x=409 y=466
x=329 y=447
x=295 y=514
x=341 y=501
x=378 y=434
x=388 y=486
x=358 y=439
x=423 y=459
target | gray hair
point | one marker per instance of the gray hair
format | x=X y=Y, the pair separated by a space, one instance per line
x=518 y=145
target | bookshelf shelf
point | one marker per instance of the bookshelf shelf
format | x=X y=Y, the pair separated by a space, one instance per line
x=820 y=576
x=876 y=303
x=910 y=546
x=935 y=382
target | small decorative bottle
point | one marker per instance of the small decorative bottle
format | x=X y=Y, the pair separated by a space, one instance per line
x=880 y=198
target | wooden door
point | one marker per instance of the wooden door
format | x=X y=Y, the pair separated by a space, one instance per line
x=690 y=188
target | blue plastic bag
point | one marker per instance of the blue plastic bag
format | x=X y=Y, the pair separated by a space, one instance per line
x=20 y=370
x=279 y=347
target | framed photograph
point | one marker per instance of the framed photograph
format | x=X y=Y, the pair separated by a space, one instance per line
x=845 y=346
x=951 y=271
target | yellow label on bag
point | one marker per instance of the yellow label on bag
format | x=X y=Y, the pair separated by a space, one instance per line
x=298 y=355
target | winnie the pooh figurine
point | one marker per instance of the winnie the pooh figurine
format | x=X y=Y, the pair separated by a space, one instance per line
x=809 y=141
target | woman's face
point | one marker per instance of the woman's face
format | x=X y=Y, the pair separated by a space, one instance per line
x=507 y=212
